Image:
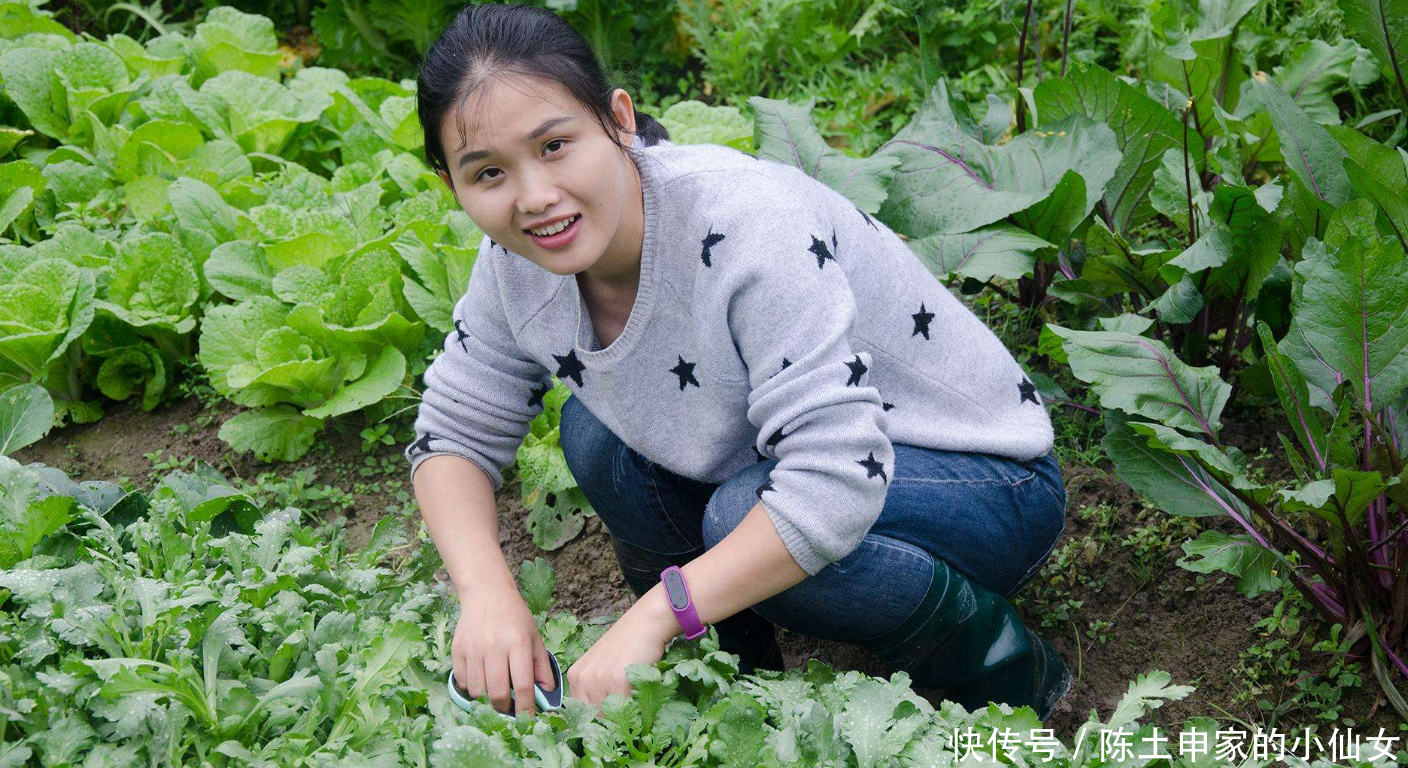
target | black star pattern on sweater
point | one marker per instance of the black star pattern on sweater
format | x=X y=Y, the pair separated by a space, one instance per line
x=873 y=467
x=887 y=406
x=765 y=487
x=710 y=240
x=459 y=330
x=822 y=252
x=774 y=440
x=921 y=321
x=858 y=370
x=761 y=457
x=1027 y=391
x=538 y=392
x=867 y=218
x=569 y=367
x=423 y=444
x=494 y=244
x=686 y=373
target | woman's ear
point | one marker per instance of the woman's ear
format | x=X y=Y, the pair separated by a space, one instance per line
x=625 y=112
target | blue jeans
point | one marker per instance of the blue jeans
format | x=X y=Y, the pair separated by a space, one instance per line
x=994 y=519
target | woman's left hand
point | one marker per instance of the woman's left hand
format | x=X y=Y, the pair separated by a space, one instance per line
x=633 y=639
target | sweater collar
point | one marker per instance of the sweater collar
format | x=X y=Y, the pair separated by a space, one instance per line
x=645 y=292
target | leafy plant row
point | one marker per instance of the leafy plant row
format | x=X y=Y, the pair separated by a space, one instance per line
x=183 y=625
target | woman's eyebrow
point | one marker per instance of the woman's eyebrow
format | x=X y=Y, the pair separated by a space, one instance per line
x=533 y=134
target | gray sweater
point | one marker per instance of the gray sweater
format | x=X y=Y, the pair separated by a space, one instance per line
x=774 y=319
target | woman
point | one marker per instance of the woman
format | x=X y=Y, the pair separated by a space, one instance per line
x=768 y=390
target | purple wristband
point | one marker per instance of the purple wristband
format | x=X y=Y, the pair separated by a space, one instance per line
x=681 y=604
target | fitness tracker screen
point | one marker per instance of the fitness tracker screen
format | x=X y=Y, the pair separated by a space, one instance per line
x=674 y=588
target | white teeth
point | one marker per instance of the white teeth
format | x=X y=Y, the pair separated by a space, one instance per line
x=555 y=228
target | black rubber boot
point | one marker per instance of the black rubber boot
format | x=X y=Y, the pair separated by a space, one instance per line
x=745 y=633
x=968 y=640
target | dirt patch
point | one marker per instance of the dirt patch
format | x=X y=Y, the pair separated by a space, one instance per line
x=117 y=447
x=1193 y=631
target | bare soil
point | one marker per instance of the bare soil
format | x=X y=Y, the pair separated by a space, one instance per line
x=1194 y=632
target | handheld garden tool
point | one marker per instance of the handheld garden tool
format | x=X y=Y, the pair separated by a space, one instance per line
x=546 y=700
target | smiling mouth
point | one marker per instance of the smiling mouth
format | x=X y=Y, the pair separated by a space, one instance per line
x=559 y=227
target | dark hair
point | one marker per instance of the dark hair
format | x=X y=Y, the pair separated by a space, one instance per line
x=484 y=41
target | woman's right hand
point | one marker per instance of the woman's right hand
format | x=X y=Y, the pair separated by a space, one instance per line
x=497 y=648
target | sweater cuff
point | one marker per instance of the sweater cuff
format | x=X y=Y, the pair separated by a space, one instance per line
x=496 y=478
x=807 y=556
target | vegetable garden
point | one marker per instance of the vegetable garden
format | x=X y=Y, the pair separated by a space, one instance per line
x=224 y=266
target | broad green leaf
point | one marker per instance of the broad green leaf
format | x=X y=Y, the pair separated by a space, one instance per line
x=999 y=250
x=15 y=178
x=442 y=277
x=1355 y=490
x=1054 y=218
x=227 y=334
x=1311 y=154
x=1113 y=267
x=1234 y=246
x=261 y=113
x=154 y=283
x=383 y=377
x=1382 y=27
x=1255 y=566
x=1179 y=304
x=1143 y=377
x=1379 y=173
x=74 y=182
x=30 y=83
x=1144 y=130
x=199 y=207
x=44 y=307
x=946 y=181
x=1349 y=307
x=230 y=39
x=89 y=72
x=1169 y=439
x=536 y=582
x=161 y=56
x=157 y=148
x=131 y=369
x=1126 y=323
x=279 y=433
x=1316 y=71
x=694 y=122
x=238 y=270
x=1171 y=482
x=785 y=133
x=26 y=414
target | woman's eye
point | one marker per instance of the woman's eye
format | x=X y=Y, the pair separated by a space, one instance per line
x=482 y=177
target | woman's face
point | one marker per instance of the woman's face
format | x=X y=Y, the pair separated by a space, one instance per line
x=531 y=155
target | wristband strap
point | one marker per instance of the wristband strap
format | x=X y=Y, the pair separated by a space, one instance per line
x=681 y=603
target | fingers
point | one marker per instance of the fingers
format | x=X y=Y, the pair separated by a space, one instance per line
x=496 y=681
x=542 y=666
x=457 y=660
x=521 y=669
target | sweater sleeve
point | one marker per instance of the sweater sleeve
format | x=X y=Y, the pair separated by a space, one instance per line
x=481 y=392
x=791 y=312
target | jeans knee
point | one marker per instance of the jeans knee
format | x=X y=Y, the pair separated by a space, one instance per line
x=732 y=501
x=579 y=435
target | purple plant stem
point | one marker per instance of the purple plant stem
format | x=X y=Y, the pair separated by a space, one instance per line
x=1328 y=595
x=1397 y=661
x=1378 y=508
